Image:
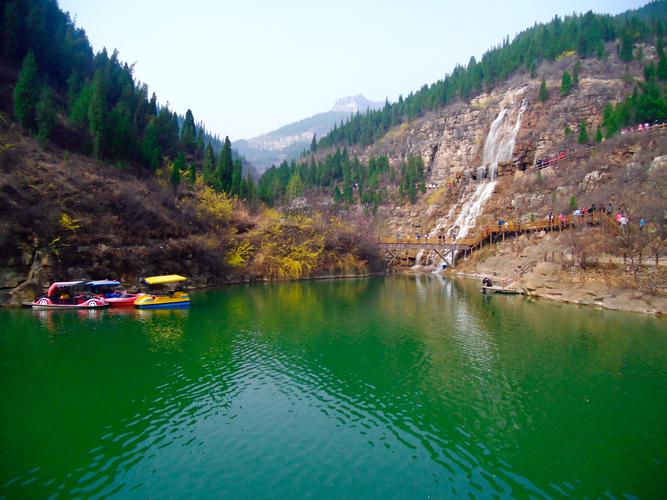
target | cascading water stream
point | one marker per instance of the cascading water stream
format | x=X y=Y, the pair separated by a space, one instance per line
x=498 y=147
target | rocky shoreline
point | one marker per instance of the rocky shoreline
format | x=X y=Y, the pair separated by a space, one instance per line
x=543 y=283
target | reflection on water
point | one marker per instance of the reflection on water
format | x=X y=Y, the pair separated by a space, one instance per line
x=345 y=388
x=163 y=327
x=51 y=319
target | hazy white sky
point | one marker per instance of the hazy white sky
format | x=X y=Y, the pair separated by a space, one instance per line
x=246 y=67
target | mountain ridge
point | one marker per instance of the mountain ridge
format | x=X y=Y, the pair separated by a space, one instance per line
x=289 y=141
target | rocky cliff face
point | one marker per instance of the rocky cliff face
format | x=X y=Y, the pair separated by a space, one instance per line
x=451 y=141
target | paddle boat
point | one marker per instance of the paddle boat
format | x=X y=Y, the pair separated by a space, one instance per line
x=68 y=295
x=109 y=290
x=164 y=292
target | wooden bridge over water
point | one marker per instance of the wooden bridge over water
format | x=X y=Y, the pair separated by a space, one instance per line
x=401 y=250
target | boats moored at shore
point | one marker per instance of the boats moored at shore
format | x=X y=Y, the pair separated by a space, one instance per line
x=168 y=291
x=68 y=295
x=111 y=292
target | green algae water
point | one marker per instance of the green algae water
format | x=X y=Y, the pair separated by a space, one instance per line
x=409 y=386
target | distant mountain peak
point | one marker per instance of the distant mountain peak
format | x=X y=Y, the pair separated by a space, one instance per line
x=352 y=104
x=289 y=141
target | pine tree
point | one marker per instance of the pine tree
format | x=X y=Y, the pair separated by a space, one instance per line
x=225 y=166
x=627 y=44
x=176 y=167
x=583 y=133
x=532 y=68
x=150 y=147
x=313 y=144
x=97 y=114
x=74 y=87
x=338 y=196
x=566 y=83
x=598 y=135
x=199 y=148
x=152 y=106
x=249 y=191
x=610 y=120
x=192 y=173
x=544 y=91
x=45 y=114
x=26 y=93
x=188 y=133
x=208 y=169
x=661 y=70
x=235 y=187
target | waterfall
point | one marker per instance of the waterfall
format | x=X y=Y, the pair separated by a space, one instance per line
x=418 y=259
x=499 y=144
x=498 y=147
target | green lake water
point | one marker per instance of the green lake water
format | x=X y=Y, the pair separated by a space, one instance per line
x=408 y=386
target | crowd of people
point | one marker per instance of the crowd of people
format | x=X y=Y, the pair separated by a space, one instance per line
x=642 y=127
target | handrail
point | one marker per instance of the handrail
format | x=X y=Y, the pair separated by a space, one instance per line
x=512 y=226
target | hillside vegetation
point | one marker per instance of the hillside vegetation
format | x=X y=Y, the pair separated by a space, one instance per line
x=69 y=216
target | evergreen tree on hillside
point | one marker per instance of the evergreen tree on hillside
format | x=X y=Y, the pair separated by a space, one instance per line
x=74 y=86
x=150 y=146
x=313 y=144
x=248 y=189
x=208 y=169
x=225 y=166
x=176 y=169
x=237 y=172
x=192 y=173
x=27 y=93
x=97 y=113
x=661 y=70
x=45 y=114
x=338 y=196
x=188 y=134
x=544 y=91
x=626 y=47
x=152 y=105
x=566 y=83
x=583 y=133
x=199 y=148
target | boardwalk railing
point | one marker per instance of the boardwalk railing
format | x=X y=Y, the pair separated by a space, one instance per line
x=449 y=249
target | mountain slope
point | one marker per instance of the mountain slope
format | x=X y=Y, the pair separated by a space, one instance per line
x=287 y=142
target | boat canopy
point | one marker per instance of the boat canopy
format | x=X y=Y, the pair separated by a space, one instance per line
x=169 y=278
x=103 y=283
x=63 y=284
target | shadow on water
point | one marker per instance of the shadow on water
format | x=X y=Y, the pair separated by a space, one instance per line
x=332 y=388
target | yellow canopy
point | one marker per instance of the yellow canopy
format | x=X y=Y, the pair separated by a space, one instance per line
x=169 y=278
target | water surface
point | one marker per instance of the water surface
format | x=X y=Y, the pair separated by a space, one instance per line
x=390 y=387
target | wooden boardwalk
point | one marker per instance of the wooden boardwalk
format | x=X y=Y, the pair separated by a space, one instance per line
x=450 y=250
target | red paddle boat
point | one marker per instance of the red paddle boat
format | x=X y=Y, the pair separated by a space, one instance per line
x=109 y=290
x=68 y=295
